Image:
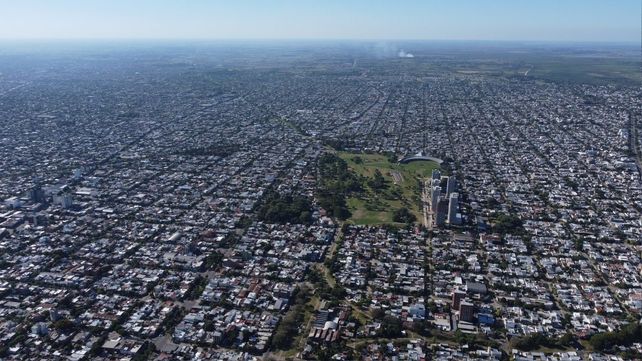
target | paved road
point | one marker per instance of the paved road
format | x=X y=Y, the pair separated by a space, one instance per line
x=425 y=198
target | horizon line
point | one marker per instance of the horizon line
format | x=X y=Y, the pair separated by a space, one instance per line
x=312 y=39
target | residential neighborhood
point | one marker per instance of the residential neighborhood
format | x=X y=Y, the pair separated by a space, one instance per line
x=295 y=205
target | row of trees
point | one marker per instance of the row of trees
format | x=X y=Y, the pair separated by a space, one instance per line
x=537 y=340
x=289 y=327
x=605 y=341
x=626 y=336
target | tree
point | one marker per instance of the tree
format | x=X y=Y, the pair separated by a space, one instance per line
x=145 y=352
x=626 y=336
x=579 y=244
x=566 y=339
x=508 y=224
x=377 y=313
x=278 y=208
x=378 y=182
x=531 y=342
x=244 y=222
x=403 y=215
x=213 y=260
x=335 y=184
x=64 y=325
x=341 y=212
x=391 y=327
x=289 y=326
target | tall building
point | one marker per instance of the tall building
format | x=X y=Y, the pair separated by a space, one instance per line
x=67 y=201
x=442 y=211
x=36 y=194
x=466 y=311
x=451 y=185
x=436 y=174
x=458 y=295
x=453 y=204
x=64 y=200
x=434 y=198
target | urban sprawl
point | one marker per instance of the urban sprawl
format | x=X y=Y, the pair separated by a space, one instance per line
x=219 y=205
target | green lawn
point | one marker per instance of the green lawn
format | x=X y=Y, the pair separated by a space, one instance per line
x=377 y=207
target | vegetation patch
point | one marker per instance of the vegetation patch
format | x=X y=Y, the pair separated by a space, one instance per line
x=508 y=224
x=537 y=341
x=288 y=328
x=336 y=184
x=386 y=192
x=628 y=335
x=279 y=208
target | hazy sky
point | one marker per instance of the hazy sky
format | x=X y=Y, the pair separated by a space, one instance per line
x=561 y=20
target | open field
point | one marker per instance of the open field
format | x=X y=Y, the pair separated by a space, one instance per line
x=617 y=65
x=592 y=70
x=402 y=189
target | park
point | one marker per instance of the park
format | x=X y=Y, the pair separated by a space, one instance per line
x=389 y=188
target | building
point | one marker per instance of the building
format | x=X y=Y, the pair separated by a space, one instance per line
x=13 y=202
x=453 y=204
x=456 y=298
x=466 y=311
x=442 y=211
x=436 y=174
x=434 y=198
x=37 y=194
x=39 y=329
x=486 y=319
x=451 y=185
x=417 y=311
x=64 y=200
x=327 y=326
x=476 y=288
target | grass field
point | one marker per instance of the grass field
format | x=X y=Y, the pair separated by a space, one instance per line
x=614 y=69
x=589 y=70
x=403 y=188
